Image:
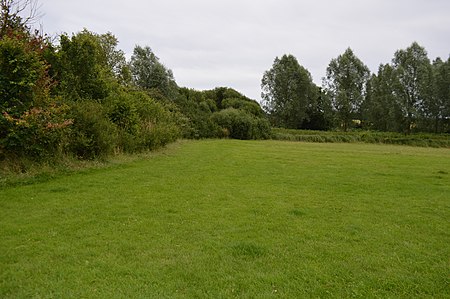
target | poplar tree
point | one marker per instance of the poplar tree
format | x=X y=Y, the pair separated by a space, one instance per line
x=415 y=78
x=345 y=82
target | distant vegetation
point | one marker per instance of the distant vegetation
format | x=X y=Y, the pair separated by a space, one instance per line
x=79 y=97
x=409 y=95
x=360 y=136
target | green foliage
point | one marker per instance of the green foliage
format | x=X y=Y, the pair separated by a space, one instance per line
x=287 y=92
x=142 y=122
x=382 y=110
x=94 y=135
x=221 y=93
x=32 y=124
x=80 y=97
x=198 y=110
x=222 y=112
x=234 y=123
x=10 y=16
x=22 y=73
x=148 y=72
x=239 y=124
x=82 y=68
x=261 y=128
x=249 y=106
x=345 y=83
x=123 y=113
x=319 y=111
x=40 y=133
x=115 y=58
x=158 y=125
x=415 y=82
x=437 y=107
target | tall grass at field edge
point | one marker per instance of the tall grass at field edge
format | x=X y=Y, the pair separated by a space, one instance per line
x=418 y=139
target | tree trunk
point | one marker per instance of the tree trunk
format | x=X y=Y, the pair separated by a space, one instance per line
x=408 y=124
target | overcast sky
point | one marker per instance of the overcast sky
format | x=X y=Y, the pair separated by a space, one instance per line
x=211 y=43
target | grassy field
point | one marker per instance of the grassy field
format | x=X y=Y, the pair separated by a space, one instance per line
x=224 y=219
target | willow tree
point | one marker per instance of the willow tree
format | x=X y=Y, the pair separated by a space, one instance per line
x=149 y=73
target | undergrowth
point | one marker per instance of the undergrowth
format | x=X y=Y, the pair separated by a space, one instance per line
x=416 y=139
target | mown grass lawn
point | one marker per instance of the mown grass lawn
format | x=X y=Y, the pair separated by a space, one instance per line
x=224 y=218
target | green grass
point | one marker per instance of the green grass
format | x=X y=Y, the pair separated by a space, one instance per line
x=224 y=219
x=414 y=139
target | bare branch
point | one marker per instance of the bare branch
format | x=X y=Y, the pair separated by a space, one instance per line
x=18 y=13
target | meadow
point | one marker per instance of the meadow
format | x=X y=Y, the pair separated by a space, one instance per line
x=228 y=218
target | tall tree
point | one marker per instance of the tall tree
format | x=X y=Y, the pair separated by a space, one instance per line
x=287 y=90
x=345 y=82
x=437 y=106
x=148 y=72
x=382 y=110
x=413 y=70
x=115 y=58
x=82 y=67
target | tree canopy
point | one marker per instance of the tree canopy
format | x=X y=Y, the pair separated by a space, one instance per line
x=345 y=82
x=287 y=92
x=148 y=72
x=414 y=74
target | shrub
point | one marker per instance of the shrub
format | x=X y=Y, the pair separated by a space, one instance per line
x=239 y=124
x=93 y=133
x=37 y=133
x=251 y=107
x=158 y=125
x=197 y=110
x=143 y=123
x=261 y=129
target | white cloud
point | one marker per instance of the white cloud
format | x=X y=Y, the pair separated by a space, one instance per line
x=232 y=42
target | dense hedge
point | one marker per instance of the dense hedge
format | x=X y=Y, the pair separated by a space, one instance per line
x=86 y=129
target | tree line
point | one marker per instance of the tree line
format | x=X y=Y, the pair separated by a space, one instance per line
x=409 y=94
x=79 y=96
